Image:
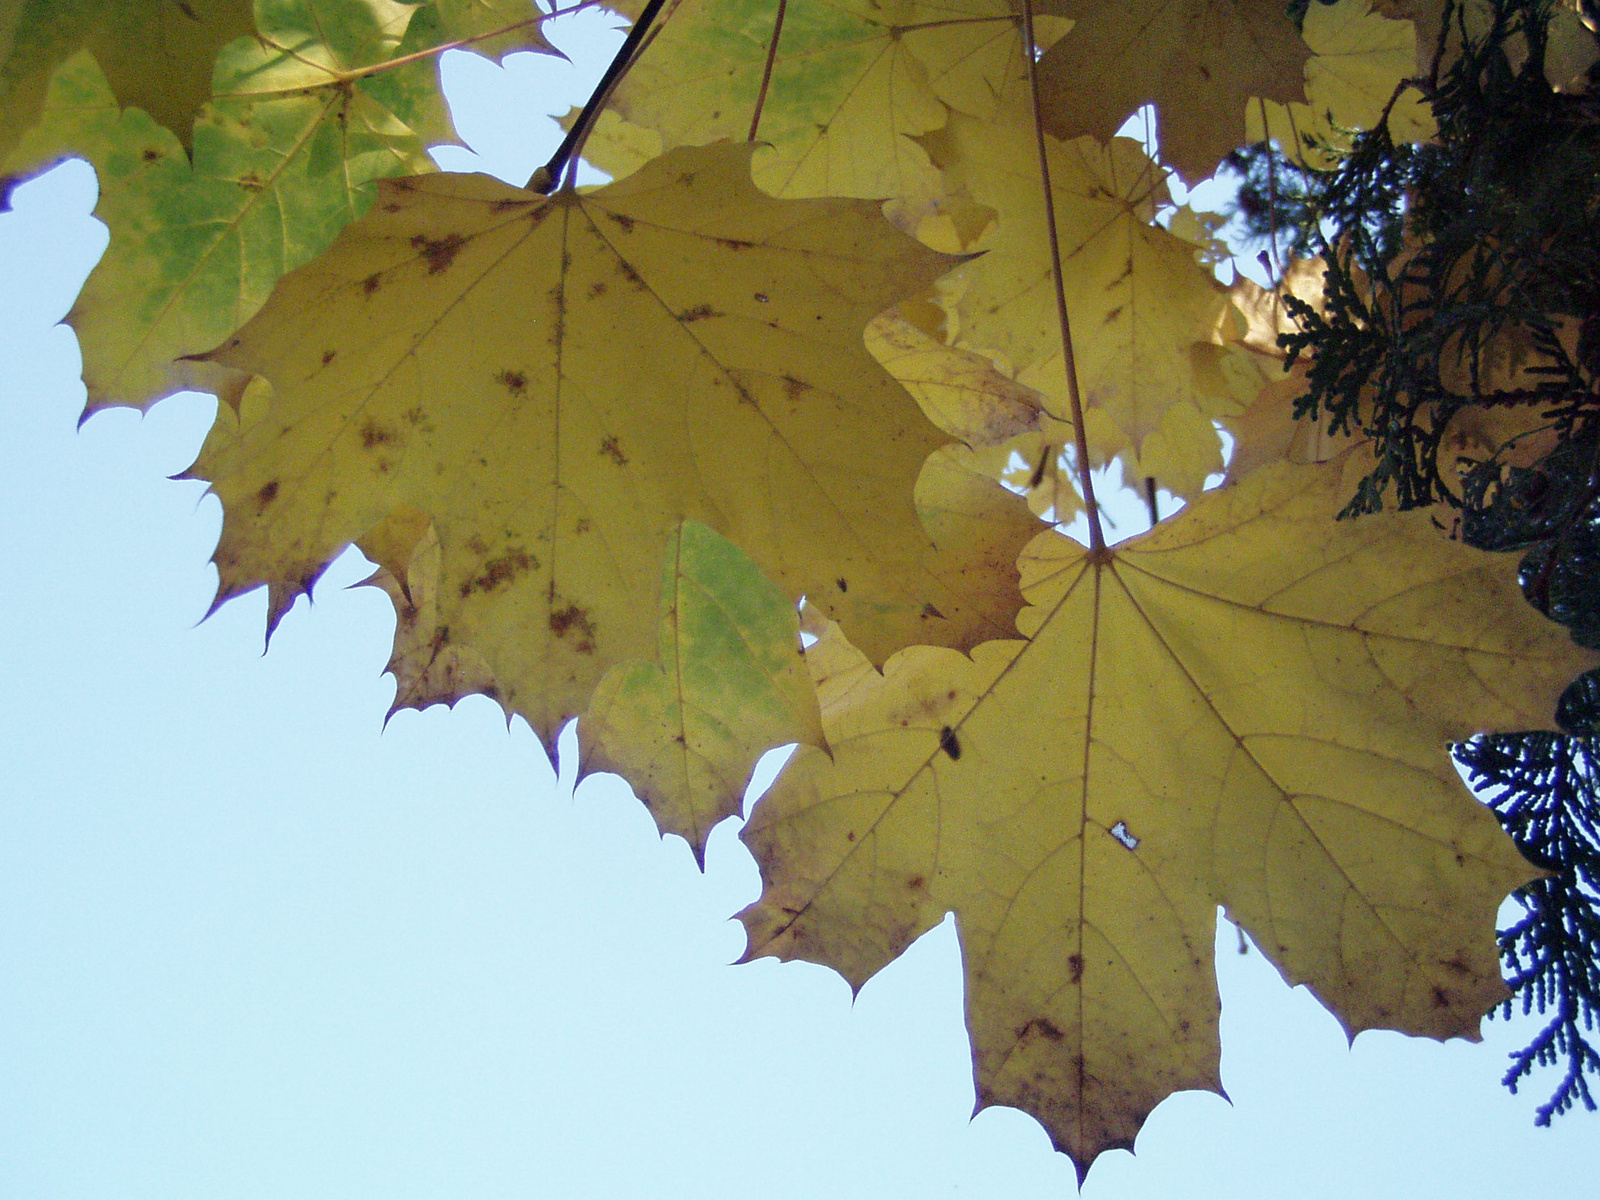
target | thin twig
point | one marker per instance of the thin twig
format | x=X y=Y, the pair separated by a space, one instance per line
x=1097 y=537
x=766 y=71
x=546 y=177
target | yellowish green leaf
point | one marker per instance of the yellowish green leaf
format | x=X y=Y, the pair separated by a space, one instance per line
x=687 y=729
x=1138 y=301
x=962 y=393
x=157 y=57
x=853 y=83
x=1359 y=57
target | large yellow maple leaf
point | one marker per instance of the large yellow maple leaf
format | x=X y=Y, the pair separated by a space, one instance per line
x=1197 y=61
x=556 y=383
x=1250 y=706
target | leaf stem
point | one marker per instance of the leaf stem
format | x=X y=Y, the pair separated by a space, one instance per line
x=766 y=71
x=1097 y=537
x=546 y=177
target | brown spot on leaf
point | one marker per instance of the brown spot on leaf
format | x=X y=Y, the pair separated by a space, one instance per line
x=328 y=356
x=698 y=313
x=844 y=586
x=1075 y=965
x=762 y=298
x=1441 y=998
x=373 y=434
x=371 y=284
x=267 y=494
x=624 y=223
x=793 y=388
x=499 y=571
x=915 y=882
x=612 y=449
x=439 y=253
x=949 y=743
x=597 y=289
x=581 y=525
x=850 y=835
x=514 y=382
x=151 y=154
x=734 y=244
x=251 y=182
x=1043 y=1026
x=574 y=619
x=392 y=207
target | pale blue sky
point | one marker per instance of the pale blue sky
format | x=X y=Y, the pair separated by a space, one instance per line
x=256 y=946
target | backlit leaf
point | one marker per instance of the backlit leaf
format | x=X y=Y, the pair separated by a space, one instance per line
x=157 y=56
x=1249 y=706
x=1197 y=61
x=558 y=382
x=686 y=730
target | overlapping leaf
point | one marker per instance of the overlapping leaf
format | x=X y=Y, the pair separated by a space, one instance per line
x=854 y=82
x=306 y=118
x=1359 y=58
x=1249 y=706
x=156 y=56
x=558 y=382
x=729 y=684
x=1197 y=61
x=1143 y=311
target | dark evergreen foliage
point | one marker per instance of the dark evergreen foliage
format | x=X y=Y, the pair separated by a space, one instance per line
x=1463 y=276
x=1543 y=788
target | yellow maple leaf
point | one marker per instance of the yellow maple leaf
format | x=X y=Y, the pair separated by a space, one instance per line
x=963 y=393
x=1250 y=706
x=1359 y=57
x=845 y=97
x=1198 y=61
x=1143 y=311
x=557 y=382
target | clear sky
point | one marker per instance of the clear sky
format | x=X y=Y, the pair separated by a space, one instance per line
x=255 y=945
